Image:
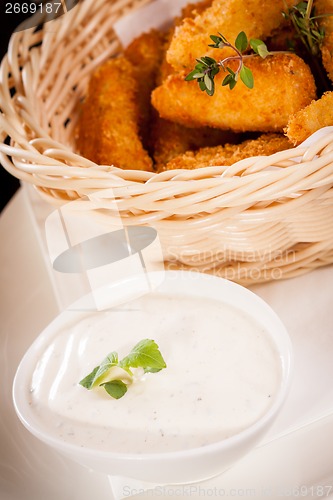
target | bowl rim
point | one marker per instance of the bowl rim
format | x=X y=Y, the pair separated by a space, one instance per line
x=285 y=353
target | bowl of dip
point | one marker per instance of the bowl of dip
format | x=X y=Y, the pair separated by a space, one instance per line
x=229 y=364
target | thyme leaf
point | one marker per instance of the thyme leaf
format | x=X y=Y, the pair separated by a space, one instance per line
x=207 y=67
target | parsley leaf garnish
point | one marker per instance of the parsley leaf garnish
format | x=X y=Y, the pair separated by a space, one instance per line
x=144 y=355
x=115 y=375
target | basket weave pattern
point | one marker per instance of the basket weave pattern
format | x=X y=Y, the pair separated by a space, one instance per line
x=263 y=218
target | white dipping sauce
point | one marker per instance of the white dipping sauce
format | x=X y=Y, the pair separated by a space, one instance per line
x=222 y=373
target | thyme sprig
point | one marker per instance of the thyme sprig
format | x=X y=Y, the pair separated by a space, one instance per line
x=310 y=32
x=207 y=67
x=306 y=25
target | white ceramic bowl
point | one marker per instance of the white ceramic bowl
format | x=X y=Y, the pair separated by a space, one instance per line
x=183 y=465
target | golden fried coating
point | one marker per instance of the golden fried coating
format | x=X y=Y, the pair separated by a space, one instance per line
x=108 y=131
x=327 y=55
x=310 y=119
x=165 y=69
x=258 y=18
x=145 y=53
x=229 y=154
x=191 y=10
x=324 y=7
x=171 y=139
x=283 y=84
x=163 y=138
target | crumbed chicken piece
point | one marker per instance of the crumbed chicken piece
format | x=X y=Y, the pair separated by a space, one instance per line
x=108 y=130
x=327 y=55
x=163 y=139
x=145 y=53
x=283 y=84
x=192 y=10
x=229 y=154
x=258 y=18
x=325 y=8
x=310 y=119
x=171 y=139
x=165 y=69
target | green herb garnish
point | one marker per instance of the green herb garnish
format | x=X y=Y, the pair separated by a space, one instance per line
x=115 y=375
x=309 y=31
x=207 y=67
x=306 y=25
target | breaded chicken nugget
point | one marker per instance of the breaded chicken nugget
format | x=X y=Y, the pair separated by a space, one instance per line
x=145 y=53
x=108 y=131
x=165 y=69
x=283 y=84
x=170 y=139
x=229 y=154
x=191 y=10
x=258 y=18
x=322 y=8
x=310 y=119
x=327 y=55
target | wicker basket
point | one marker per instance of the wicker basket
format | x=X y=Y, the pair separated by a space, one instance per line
x=263 y=218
